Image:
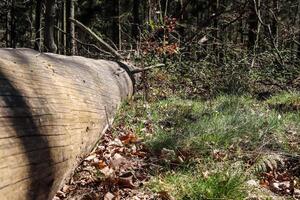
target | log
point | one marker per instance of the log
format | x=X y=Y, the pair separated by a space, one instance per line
x=53 y=109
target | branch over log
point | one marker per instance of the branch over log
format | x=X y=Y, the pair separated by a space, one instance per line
x=133 y=69
x=100 y=40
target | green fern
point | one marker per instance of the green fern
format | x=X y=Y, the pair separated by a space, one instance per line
x=268 y=162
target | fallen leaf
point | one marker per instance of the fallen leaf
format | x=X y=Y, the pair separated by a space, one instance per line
x=107 y=171
x=101 y=164
x=129 y=138
x=115 y=142
x=109 y=196
x=117 y=160
x=126 y=182
x=90 y=157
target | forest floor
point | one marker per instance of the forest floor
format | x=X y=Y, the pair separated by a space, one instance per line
x=228 y=147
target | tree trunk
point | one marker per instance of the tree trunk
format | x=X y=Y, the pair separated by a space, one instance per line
x=136 y=20
x=38 y=32
x=7 y=28
x=63 y=27
x=70 y=13
x=116 y=25
x=13 y=25
x=53 y=109
x=49 y=39
x=252 y=27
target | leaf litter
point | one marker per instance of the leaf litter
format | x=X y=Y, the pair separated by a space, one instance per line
x=115 y=170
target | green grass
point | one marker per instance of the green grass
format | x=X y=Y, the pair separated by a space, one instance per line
x=285 y=98
x=285 y=102
x=191 y=185
x=238 y=126
x=200 y=127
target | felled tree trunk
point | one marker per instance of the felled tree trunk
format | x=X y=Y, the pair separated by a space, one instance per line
x=53 y=109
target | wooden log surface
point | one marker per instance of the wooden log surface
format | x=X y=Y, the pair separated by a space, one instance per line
x=53 y=109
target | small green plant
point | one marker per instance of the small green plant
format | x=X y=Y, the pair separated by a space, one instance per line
x=211 y=135
x=191 y=185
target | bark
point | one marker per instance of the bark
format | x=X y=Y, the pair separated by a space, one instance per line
x=116 y=26
x=136 y=20
x=53 y=109
x=49 y=26
x=7 y=25
x=38 y=31
x=63 y=27
x=70 y=13
x=252 y=27
x=13 y=25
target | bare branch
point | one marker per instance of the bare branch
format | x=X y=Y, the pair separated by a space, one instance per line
x=92 y=45
x=139 y=70
x=272 y=39
x=100 y=40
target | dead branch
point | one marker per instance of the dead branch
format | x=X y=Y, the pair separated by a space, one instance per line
x=272 y=39
x=139 y=70
x=109 y=48
x=80 y=42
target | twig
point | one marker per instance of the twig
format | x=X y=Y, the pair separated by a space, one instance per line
x=268 y=26
x=96 y=37
x=77 y=40
x=139 y=70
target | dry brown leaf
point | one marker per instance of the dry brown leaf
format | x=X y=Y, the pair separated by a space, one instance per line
x=129 y=138
x=115 y=142
x=109 y=196
x=126 y=182
x=219 y=155
x=264 y=183
x=101 y=164
x=117 y=161
x=107 y=171
x=90 y=157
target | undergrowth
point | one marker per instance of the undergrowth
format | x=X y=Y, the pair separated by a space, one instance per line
x=217 y=141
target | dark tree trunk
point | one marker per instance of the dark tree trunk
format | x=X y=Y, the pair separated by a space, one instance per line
x=63 y=27
x=116 y=26
x=13 y=25
x=163 y=7
x=38 y=32
x=136 y=20
x=70 y=13
x=49 y=26
x=252 y=27
x=7 y=28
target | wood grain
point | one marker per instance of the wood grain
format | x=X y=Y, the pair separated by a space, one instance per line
x=52 y=112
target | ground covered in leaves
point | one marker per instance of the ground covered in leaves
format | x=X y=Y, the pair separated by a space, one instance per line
x=229 y=147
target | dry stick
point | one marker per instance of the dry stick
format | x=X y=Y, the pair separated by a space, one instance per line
x=100 y=40
x=139 y=70
x=112 y=50
x=80 y=42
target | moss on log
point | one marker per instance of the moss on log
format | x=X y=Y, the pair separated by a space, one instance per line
x=53 y=109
